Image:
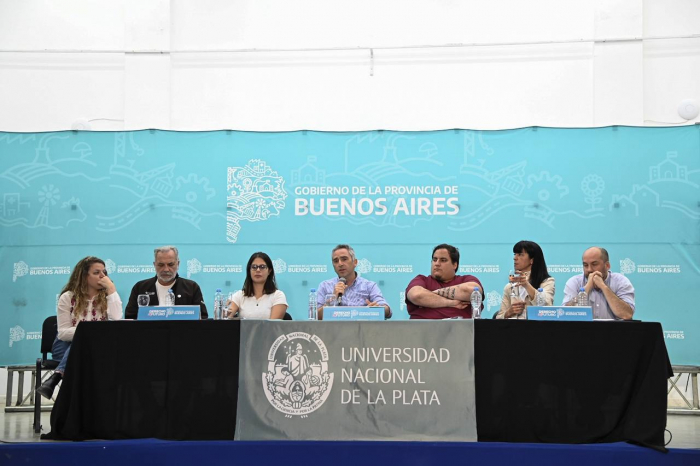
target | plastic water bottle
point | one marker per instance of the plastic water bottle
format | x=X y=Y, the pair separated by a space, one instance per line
x=218 y=304
x=540 y=298
x=582 y=297
x=171 y=298
x=476 y=303
x=313 y=312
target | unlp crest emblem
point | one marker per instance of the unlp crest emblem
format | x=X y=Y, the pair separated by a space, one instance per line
x=297 y=381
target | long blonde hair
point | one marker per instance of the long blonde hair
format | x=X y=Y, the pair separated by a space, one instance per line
x=77 y=284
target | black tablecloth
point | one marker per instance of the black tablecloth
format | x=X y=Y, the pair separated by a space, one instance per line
x=571 y=382
x=562 y=382
x=169 y=380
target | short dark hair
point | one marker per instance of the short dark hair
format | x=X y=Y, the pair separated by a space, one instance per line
x=270 y=284
x=351 y=251
x=451 y=250
x=603 y=253
x=538 y=272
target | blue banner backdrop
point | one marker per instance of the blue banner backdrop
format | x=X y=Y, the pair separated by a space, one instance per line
x=220 y=196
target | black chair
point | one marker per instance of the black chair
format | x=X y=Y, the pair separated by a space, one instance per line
x=287 y=316
x=49 y=330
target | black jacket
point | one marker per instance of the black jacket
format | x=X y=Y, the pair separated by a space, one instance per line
x=187 y=292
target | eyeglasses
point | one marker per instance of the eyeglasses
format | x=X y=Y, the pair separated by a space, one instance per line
x=258 y=267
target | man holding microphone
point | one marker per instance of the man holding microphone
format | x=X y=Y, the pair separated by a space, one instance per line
x=348 y=288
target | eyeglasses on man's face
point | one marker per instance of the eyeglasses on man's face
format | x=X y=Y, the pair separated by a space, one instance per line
x=258 y=267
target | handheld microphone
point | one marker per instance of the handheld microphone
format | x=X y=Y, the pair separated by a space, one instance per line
x=340 y=295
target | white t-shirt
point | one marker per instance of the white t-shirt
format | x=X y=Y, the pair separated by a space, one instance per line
x=162 y=291
x=251 y=308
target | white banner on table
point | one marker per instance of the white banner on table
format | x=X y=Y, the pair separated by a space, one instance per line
x=357 y=381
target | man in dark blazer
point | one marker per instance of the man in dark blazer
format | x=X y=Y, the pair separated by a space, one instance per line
x=187 y=292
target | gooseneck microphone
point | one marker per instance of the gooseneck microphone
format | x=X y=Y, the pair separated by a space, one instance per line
x=340 y=295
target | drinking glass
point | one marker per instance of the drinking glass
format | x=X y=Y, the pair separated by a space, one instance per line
x=513 y=274
x=514 y=290
x=227 y=306
x=331 y=300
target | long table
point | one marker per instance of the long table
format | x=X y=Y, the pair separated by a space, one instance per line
x=558 y=382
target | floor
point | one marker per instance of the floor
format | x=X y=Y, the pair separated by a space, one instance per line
x=17 y=427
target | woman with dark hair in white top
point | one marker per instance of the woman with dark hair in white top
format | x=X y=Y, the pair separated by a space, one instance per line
x=521 y=291
x=259 y=298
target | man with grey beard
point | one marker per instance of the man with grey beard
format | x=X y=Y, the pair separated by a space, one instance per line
x=166 y=263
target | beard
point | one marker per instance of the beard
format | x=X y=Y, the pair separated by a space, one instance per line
x=166 y=277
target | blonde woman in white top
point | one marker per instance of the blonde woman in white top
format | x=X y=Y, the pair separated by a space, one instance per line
x=89 y=295
x=259 y=298
x=529 y=263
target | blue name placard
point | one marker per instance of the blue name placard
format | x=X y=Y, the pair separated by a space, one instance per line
x=169 y=313
x=353 y=313
x=578 y=313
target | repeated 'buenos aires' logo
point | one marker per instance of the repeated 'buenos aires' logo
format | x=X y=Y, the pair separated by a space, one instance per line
x=627 y=266
x=111 y=266
x=297 y=381
x=20 y=269
x=193 y=267
x=17 y=333
x=363 y=266
x=255 y=193
x=280 y=265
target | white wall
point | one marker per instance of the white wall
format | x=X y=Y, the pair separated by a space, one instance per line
x=270 y=65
